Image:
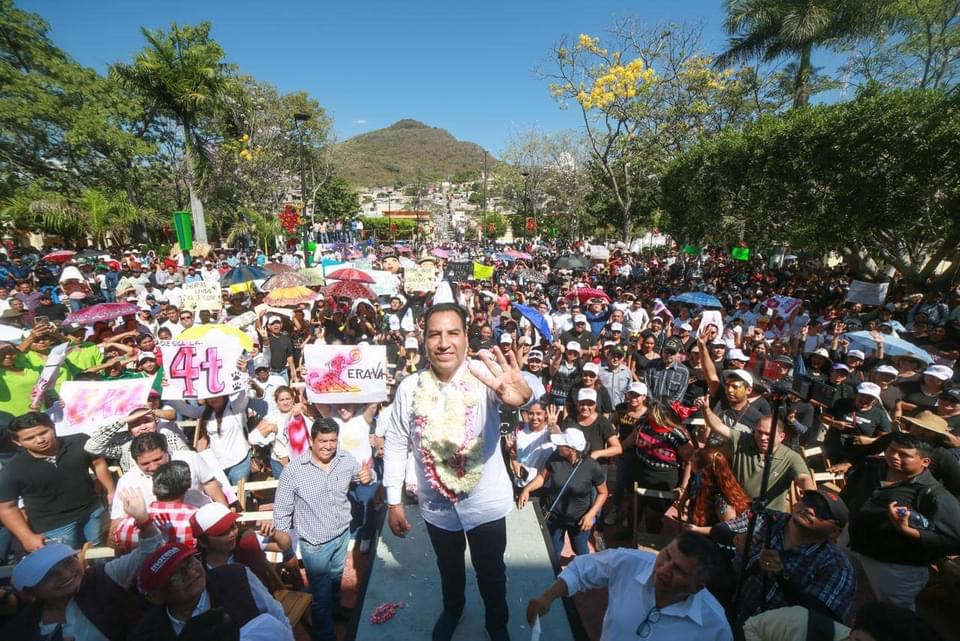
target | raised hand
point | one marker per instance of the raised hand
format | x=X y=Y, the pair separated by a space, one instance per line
x=502 y=374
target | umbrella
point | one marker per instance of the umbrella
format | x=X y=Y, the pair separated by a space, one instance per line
x=504 y=257
x=244 y=274
x=519 y=254
x=100 y=312
x=226 y=333
x=440 y=253
x=583 y=294
x=538 y=321
x=277 y=268
x=314 y=276
x=285 y=281
x=570 y=261
x=289 y=296
x=531 y=275
x=61 y=256
x=349 y=289
x=90 y=253
x=892 y=345
x=351 y=274
x=697 y=298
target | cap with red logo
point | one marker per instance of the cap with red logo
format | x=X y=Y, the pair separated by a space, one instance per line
x=213 y=519
x=156 y=571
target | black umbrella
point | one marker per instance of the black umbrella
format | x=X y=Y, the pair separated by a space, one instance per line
x=571 y=261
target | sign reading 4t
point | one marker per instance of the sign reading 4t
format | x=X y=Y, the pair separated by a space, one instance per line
x=201 y=370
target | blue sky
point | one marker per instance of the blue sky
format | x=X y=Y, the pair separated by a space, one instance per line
x=467 y=67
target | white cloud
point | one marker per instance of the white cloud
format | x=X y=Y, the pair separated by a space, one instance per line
x=359 y=121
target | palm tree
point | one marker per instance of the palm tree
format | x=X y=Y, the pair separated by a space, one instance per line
x=181 y=74
x=253 y=224
x=774 y=29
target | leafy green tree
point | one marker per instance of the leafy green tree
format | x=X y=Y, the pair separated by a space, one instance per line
x=876 y=180
x=337 y=200
x=776 y=29
x=181 y=74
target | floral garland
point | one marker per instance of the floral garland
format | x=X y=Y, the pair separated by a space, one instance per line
x=451 y=444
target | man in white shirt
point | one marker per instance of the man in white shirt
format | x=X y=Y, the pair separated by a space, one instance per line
x=635 y=318
x=561 y=320
x=471 y=495
x=150 y=451
x=209 y=273
x=650 y=596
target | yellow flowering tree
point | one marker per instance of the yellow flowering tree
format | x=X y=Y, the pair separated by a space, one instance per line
x=644 y=96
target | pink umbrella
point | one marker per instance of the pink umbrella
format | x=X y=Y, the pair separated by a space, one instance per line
x=440 y=253
x=349 y=273
x=518 y=254
x=61 y=256
x=100 y=312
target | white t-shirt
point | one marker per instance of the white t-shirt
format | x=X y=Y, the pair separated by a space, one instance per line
x=229 y=441
x=355 y=437
x=134 y=478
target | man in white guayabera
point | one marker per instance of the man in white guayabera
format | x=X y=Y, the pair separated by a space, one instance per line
x=449 y=415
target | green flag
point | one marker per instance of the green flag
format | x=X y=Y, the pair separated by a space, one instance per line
x=740 y=253
x=693 y=251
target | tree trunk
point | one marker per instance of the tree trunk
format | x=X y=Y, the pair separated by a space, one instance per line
x=196 y=205
x=801 y=96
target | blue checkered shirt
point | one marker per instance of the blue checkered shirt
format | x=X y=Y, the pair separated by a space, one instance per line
x=313 y=501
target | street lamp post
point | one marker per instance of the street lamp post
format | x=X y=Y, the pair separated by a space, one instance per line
x=483 y=230
x=526 y=199
x=297 y=119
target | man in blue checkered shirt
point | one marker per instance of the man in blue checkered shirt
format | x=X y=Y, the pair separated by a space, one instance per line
x=801 y=566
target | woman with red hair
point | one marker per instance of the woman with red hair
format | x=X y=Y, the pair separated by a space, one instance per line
x=713 y=494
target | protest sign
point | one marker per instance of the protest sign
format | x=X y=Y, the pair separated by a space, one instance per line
x=419 y=279
x=346 y=373
x=867 y=293
x=201 y=295
x=458 y=272
x=482 y=272
x=385 y=283
x=599 y=252
x=243 y=320
x=201 y=369
x=740 y=253
x=783 y=305
x=89 y=405
x=692 y=250
x=710 y=317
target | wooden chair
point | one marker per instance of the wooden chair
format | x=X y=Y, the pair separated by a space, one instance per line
x=244 y=486
x=296 y=605
x=90 y=553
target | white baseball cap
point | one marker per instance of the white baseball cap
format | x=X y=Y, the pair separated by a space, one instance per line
x=213 y=519
x=274 y=319
x=637 y=388
x=742 y=374
x=887 y=369
x=687 y=327
x=506 y=338
x=942 y=372
x=535 y=354
x=870 y=389
x=587 y=394
x=616 y=327
x=591 y=367
x=572 y=438
x=573 y=346
x=856 y=353
x=737 y=354
x=579 y=318
x=410 y=343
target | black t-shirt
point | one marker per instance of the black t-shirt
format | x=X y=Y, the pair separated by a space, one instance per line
x=604 y=402
x=578 y=496
x=872 y=422
x=597 y=433
x=281 y=348
x=913 y=394
x=54 y=494
x=890 y=397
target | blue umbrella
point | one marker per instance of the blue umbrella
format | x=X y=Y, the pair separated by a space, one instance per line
x=697 y=298
x=539 y=322
x=507 y=258
x=892 y=345
x=244 y=274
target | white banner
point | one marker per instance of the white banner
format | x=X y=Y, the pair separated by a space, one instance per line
x=783 y=305
x=88 y=405
x=48 y=375
x=346 y=373
x=200 y=369
x=599 y=252
x=867 y=293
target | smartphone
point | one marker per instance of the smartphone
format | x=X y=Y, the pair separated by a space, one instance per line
x=40 y=321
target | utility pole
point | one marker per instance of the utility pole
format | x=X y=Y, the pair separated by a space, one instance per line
x=483 y=230
x=297 y=120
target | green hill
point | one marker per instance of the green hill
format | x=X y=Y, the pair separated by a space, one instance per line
x=405 y=152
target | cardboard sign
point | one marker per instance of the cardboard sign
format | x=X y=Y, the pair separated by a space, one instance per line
x=459 y=272
x=599 y=252
x=48 y=375
x=783 y=305
x=419 y=279
x=201 y=369
x=482 y=272
x=89 y=405
x=346 y=373
x=243 y=320
x=867 y=293
x=201 y=295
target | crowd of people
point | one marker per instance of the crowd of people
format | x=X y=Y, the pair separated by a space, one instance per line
x=799 y=449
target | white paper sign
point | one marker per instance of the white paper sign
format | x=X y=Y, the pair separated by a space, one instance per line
x=201 y=369
x=867 y=293
x=346 y=373
x=710 y=317
x=89 y=405
x=599 y=252
x=48 y=375
x=202 y=295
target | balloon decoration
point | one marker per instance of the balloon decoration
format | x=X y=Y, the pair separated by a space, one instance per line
x=289 y=219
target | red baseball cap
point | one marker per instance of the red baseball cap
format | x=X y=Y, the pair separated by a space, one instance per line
x=156 y=571
x=213 y=519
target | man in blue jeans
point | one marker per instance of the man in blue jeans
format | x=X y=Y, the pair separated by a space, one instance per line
x=313 y=492
x=52 y=476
